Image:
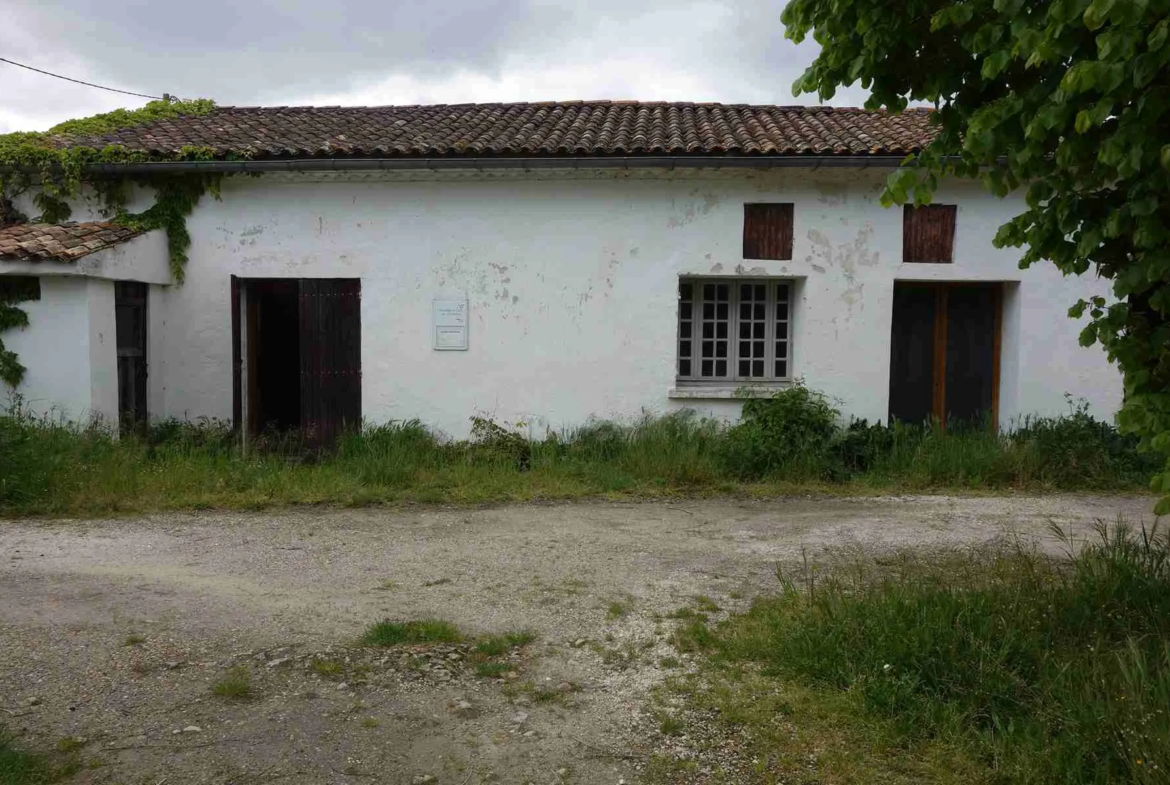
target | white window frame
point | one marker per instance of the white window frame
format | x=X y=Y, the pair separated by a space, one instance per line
x=777 y=291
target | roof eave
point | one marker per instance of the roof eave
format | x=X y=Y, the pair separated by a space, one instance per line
x=578 y=162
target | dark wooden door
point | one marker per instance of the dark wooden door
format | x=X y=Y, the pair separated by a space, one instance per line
x=331 y=359
x=130 y=326
x=944 y=352
x=912 y=377
x=971 y=347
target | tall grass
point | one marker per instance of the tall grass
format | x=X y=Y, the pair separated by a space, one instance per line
x=1046 y=671
x=791 y=441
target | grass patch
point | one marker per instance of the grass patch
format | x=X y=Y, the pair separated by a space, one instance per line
x=329 y=669
x=236 y=684
x=495 y=645
x=669 y=662
x=617 y=609
x=987 y=666
x=491 y=669
x=19 y=767
x=393 y=633
x=792 y=442
x=705 y=604
x=134 y=640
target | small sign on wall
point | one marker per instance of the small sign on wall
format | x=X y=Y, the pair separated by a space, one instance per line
x=450 y=324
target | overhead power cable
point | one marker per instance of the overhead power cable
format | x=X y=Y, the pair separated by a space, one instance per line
x=87 y=84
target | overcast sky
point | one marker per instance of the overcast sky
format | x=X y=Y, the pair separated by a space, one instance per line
x=355 y=52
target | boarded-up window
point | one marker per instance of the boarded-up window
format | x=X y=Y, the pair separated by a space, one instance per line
x=767 y=231
x=928 y=234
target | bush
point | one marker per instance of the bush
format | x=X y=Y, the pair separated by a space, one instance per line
x=1049 y=672
x=789 y=432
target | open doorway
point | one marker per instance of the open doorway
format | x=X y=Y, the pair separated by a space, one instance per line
x=297 y=353
x=274 y=357
x=945 y=352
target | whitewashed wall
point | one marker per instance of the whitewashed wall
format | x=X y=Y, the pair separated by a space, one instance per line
x=572 y=283
x=69 y=351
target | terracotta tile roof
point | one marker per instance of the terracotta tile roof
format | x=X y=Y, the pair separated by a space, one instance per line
x=60 y=242
x=581 y=128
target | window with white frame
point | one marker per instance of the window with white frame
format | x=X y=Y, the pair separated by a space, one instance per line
x=732 y=330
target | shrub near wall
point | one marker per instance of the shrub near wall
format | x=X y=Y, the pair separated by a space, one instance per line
x=791 y=441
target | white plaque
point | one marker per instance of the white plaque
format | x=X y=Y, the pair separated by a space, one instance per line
x=450 y=323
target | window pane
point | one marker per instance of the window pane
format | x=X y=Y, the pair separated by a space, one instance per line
x=684 y=367
x=721 y=311
x=758 y=349
x=708 y=329
x=781 y=350
x=684 y=348
x=684 y=330
x=722 y=292
x=708 y=310
x=782 y=292
x=745 y=291
x=709 y=291
x=758 y=330
x=684 y=291
x=759 y=312
x=782 y=311
x=685 y=310
x=745 y=329
x=708 y=348
x=721 y=330
x=744 y=367
x=721 y=348
x=745 y=349
x=708 y=368
x=721 y=367
x=745 y=310
x=757 y=368
x=781 y=369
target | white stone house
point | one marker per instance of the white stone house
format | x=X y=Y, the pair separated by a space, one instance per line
x=545 y=263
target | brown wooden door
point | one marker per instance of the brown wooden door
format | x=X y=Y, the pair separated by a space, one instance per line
x=130 y=326
x=330 y=357
x=944 y=352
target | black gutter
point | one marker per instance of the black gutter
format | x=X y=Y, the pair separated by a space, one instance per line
x=438 y=164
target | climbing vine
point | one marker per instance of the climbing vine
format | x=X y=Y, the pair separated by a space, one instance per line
x=54 y=162
x=11 y=370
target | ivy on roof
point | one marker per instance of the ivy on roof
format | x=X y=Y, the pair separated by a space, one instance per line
x=54 y=164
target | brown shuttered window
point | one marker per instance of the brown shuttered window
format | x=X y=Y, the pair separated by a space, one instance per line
x=767 y=231
x=928 y=234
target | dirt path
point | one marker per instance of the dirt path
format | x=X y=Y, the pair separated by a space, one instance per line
x=273 y=591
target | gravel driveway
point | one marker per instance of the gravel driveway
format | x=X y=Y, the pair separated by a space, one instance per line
x=112 y=633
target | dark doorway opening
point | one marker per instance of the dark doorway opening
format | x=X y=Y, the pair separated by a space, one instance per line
x=944 y=352
x=130 y=328
x=275 y=349
x=297 y=356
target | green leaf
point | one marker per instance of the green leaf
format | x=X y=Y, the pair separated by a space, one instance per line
x=1157 y=39
x=995 y=63
x=1096 y=13
x=1163 y=506
x=1164 y=156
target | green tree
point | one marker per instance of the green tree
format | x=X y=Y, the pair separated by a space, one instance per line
x=1066 y=99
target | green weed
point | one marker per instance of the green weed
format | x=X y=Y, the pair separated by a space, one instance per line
x=490 y=669
x=1041 y=671
x=18 y=767
x=495 y=645
x=788 y=442
x=393 y=633
x=236 y=683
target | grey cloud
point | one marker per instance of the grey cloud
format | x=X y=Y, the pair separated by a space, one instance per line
x=281 y=51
